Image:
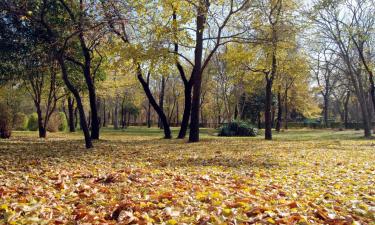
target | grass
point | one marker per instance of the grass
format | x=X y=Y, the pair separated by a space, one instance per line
x=135 y=176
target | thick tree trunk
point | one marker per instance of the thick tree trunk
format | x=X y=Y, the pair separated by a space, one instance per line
x=267 y=110
x=159 y=111
x=71 y=114
x=76 y=95
x=41 y=125
x=279 y=112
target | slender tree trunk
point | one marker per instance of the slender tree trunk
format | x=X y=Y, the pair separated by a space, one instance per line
x=346 y=111
x=267 y=110
x=149 y=115
x=76 y=95
x=115 y=115
x=104 y=113
x=76 y=117
x=286 y=109
x=279 y=112
x=71 y=114
x=187 y=110
x=95 y=123
x=325 y=110
x=159 y=111
x=161 y=101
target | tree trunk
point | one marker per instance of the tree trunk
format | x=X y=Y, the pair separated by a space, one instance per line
x=197 y=76
x=76 y=117
x=41 y=125
x=346 y=111
x=187 y=110
x=149 y=115
x=267 y=110
x=325 y=110
x=104 y=113
x=286 y=110
x=71 y=114
x=115 y=115
x=76 y=95
x=161 y=101
x=159 y=111
x=279 y=112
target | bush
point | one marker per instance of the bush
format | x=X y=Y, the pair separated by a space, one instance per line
x=239 y=129
x=32 y=124
x=5 y=121
x=57 y=122
x=63 y=122
x=20 y=121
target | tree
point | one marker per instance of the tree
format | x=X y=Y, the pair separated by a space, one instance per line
x=335 y=28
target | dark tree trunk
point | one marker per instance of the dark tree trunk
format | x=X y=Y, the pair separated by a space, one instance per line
x=235 y=112
x=41 y=125
x=197 y=77
x=159 y=111
x=187 y=110
x=71 y=114
x=259 y=121
x=279 y=112
x=267 y=110
x=95 y=123
x=76 y=95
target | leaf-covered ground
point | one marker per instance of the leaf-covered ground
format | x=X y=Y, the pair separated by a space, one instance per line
x=134 y=177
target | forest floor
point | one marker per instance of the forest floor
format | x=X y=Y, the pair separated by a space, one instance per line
x=135 y=177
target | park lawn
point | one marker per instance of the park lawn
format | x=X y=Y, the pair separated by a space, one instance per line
x=135 y=177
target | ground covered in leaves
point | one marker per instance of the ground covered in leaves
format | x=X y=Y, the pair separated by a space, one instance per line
x=134 y=177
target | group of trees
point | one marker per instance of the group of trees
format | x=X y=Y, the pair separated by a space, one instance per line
x=196 y=62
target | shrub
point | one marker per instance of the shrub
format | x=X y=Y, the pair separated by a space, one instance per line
x=5 y=121
x=238 y=128
x=32 y=124
x=63 y=122
x=53 y=123
x=20 y=121
x=57 y=122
